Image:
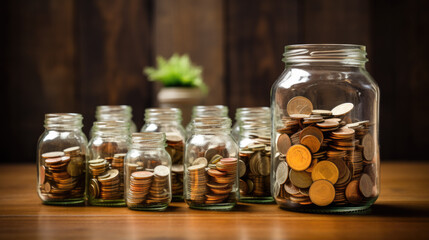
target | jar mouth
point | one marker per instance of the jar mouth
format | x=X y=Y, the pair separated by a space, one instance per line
x=213 y=110
x=212 y=124
x=148 y=139
x=163 y=115
x=335 y=53
x=117 y=112
x=111 y=127
x=63 y=120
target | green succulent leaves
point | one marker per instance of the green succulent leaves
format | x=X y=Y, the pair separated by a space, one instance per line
x=178 y=71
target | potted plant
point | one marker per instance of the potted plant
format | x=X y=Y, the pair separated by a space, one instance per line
x=183 y=86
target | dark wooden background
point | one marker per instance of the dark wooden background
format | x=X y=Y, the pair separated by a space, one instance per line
x=70 y=56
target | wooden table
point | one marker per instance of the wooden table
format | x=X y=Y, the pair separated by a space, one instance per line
x=402 y=211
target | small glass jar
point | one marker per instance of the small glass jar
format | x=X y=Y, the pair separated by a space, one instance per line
x=169 y=121
x=61 y=156
x=115 y=113
x=211 y=180
x=248 y=113
x=147 y=170
x=254 y=164
x=105 y=169
x=325 y=130
x=205 y=111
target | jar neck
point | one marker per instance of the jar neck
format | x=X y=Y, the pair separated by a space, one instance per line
x=148 y=141
x=63 y=121
x=113 y=112
x=212 y=125
x=209 y=111
x=255 y=129
x=171 y=116
x=325 y=54
x=255 y=111
x=111 y=129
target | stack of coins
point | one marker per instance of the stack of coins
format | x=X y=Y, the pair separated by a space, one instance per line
x=254 y=168
x=175 y=146
x=177 y=179
x=110 y=185
x=221 y=181
x=62 y=174
x=118 y=163
x=197 y=183
x=159 y=190
x=321 y=158
x=140 y=183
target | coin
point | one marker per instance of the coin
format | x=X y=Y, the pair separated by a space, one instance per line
x=52 y=154
x=321 y=112
x=173 y=137
x=325 y=170
x=311 y=131
x=366 y=185
x=300 y=179
x=298 y=157
x=342 y=109
x=311 y=142
x=368 y=147
x=161 y=171
x=282 y=172
x=322 y=193
x=290 y=188
x=241 y=168
x=299 y=105
x=283 y=143
x=141 y=175
x=353 y=194
x=200 y=160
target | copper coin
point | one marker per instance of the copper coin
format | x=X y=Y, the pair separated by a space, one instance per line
x=322 y=193
x=298 y=157
x=300 y=179
x=311 y=131
x=368 y=147
x=325 y=170
x=366 y=185
x=142 y=175
x=299 y=105
x=311 y=142
x=283 y=143
x=353 y=194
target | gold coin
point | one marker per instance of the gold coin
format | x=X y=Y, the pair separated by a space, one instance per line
x=322 y=193
x=311 y=131
x=301 y=179
x=353 y=194
x=325 y=170
x=298 y=157
x=342 y=109
x=283 y=143
x=311 y=142
x=299 y=105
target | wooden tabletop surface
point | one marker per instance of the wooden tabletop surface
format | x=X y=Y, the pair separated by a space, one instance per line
x=402 y=211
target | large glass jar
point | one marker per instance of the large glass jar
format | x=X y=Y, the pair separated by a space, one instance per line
x=105 y=175
x=61 y=156
x=169 y=121
x=254 y=164
x=115 y=113
x=205 y=111
x=211 y=165
x=248 y=114
x=325 y=130
x=147 y=171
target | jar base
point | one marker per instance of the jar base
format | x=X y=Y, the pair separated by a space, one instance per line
x=262 y=200
x=77 y=202
x=216 y=207
x=158 y=208
x=107 y=203
x=177 y=198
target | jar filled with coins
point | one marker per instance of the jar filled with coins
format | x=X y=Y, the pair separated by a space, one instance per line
x=61 y=156
x=254 y=164
x=107 y=150
x=325 y=155
x=169 y=121
x=248 y=114
x=211 y=180
x=205 y=111
x=147 y=171
x=115 y=113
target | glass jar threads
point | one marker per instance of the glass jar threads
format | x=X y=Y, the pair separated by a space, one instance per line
x=211 y=165
x=61 y=156
x=205 y=111
x=115 y=113
x=169 y=121
x=254 y=164
x=105 y=175
x=148 y=179
x=249 y=113
x=325 y=130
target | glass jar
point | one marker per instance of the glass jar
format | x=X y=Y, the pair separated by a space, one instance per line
x=254 y=164
x=61 y=156
x=211 y=165
x=325 y=130
x=205 y=111
x=115 y=113
x=147 y=170
x=169 y=121
x=248 y=113
x=105 y=175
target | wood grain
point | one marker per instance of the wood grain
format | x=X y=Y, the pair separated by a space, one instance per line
x=402 y=210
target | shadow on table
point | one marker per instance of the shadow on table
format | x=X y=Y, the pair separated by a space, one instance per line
x=387 y=210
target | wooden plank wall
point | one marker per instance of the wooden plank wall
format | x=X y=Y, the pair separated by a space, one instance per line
x=70 y=56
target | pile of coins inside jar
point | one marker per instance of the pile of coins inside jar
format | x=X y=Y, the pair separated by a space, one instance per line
x=175 y=146
x=212 y=175
x=254 y=168
x=62 y=175
x=148 y=188
x=323 y=158
x=107 y=177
